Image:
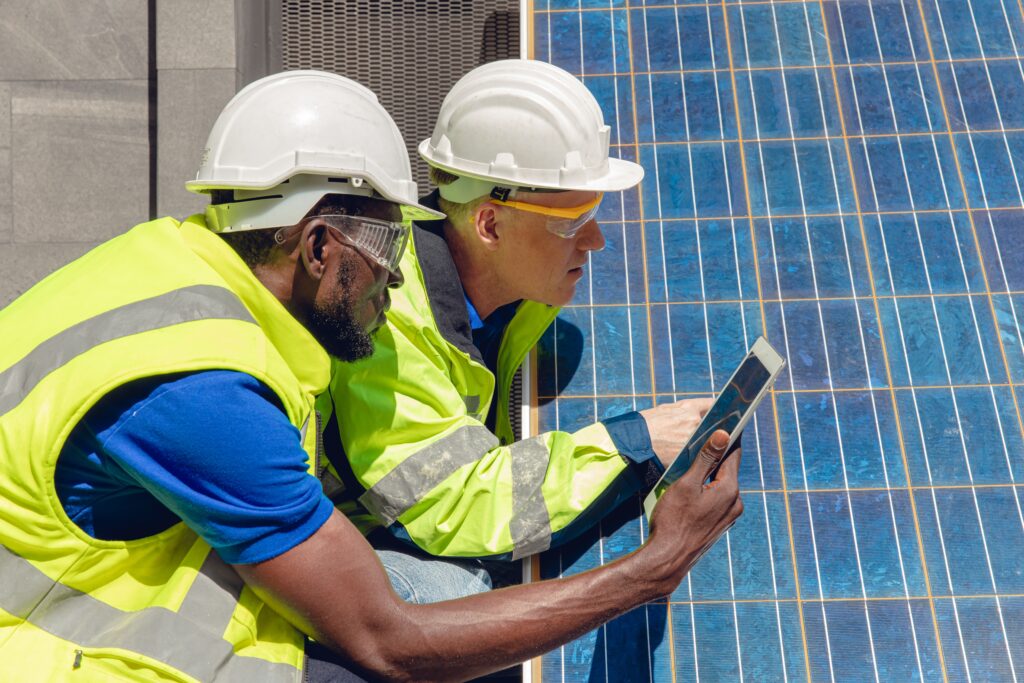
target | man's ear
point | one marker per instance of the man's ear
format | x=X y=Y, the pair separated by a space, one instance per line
x=485 y=225
x=313 y=247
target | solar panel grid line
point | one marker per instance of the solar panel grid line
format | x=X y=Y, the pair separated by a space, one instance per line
x=796 y=410
x=874 y=411
x=960 y=425
x=668 y=315
x=959 y=170
x=946 y=364
x=970 y=137
x=865 y=65
x=746 y=344
x=668 y=312
x=798 y=300
x=821 y=138
x=870 y=280
x=903 y=448
x=858 y=66
x=772 y=395
x=1006 y=144
x=903 y=391
x=633 y=99
x=593 y=350
x=874 y=598
x=700 y=266
x=985 y=200
x=963 y=185
x=813 y=214
x=832 y=166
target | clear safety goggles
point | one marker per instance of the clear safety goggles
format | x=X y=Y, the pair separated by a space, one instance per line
x=382 y=241
x=566 y=222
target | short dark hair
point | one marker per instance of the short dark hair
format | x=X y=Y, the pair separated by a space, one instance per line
x=256 y=247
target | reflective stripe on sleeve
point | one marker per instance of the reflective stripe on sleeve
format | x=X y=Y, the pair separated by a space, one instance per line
x=530 y=525
x=198 y=302
x=196 y=648
x=423 y=471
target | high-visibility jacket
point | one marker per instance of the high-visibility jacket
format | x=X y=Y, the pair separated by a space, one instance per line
x=412 y=423
x=162 y=298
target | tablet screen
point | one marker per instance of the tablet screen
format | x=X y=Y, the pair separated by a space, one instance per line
x=727 y=412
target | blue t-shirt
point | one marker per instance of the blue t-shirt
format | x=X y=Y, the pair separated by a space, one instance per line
x=213 y=449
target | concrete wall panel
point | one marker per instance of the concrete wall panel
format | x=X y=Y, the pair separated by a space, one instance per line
x=72 y=39
x=195 y=34
x=189 y=103
x=80 y=158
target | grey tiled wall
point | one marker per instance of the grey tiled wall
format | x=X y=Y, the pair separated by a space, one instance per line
x=75 y=152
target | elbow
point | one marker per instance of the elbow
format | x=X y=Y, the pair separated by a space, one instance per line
x=387 y=664
x=389 y=650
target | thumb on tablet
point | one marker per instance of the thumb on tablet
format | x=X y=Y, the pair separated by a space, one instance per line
x=709 y=457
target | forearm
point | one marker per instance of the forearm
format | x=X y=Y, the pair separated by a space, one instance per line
x=333 y=588
x=490 y=631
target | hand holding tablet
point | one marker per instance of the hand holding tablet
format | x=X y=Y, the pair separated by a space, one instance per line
x=731 y=410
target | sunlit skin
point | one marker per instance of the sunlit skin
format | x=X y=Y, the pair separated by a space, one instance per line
x=331 y=272
x=368 y=285
x=507 y=254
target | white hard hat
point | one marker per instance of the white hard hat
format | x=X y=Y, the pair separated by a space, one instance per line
x=524 y=123
x=306 y=123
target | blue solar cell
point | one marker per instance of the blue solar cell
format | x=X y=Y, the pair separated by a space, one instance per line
x=708 y=260
x=801 y=258
x=810 y=106
x=868 y=33
x=868 y=454
x=890 y=99
x=962 y=30
x=973 y=638
x=923 y=253
x=619 y=267
x=883 y=475
x=990 y=162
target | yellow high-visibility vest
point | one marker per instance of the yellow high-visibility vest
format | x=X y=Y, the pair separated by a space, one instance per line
x=162 y=298
x=411 y=419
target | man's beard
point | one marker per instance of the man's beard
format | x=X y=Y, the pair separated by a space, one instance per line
x=334 y=323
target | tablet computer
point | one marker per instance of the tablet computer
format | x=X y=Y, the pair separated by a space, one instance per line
x=730 y=411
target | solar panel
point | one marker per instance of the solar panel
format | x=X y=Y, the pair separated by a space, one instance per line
x=844 y=178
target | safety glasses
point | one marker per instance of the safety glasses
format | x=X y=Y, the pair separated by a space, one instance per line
x=383 y=242
x=566 y=222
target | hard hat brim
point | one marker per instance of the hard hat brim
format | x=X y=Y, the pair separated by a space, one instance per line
x=413 y=210
x=619 y=175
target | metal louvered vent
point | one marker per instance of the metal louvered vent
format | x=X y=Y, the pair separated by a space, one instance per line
x=409 y=52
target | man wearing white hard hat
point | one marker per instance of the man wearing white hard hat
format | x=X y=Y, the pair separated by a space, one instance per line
x=520 y=155
x=164 y=508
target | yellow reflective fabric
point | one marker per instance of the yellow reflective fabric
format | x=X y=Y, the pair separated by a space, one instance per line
x=162 y=298
x=411 y=419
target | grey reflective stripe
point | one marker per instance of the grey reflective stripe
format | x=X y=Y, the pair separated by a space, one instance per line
x=472 y=404
x=420 y=473
x=183 y=305
x=531 y=524
x=205 y=603
x=194 y=648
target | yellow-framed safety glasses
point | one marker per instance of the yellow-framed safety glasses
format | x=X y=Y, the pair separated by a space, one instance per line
x=566 y=222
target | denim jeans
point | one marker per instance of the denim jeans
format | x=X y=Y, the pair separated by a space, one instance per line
x=421 y=579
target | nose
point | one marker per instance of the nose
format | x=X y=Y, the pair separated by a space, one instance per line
x=590 y=237
x=395 y=279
